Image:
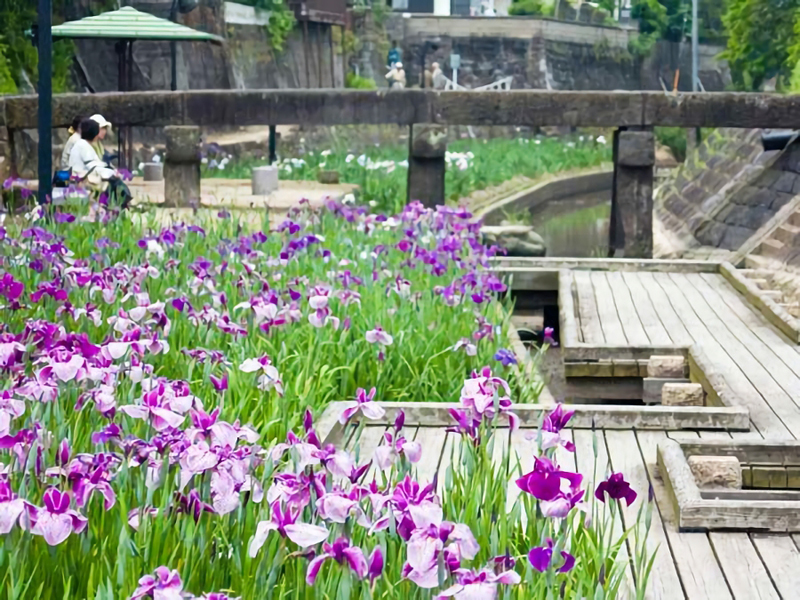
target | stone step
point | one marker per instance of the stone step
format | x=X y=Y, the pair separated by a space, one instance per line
x=788 y=234
x=771 y=247
x=758 y=273
x=763 y=284
x=794 y=219
x=775 y=295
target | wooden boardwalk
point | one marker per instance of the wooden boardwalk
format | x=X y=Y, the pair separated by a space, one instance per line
x=688 y=566
x=760 y=364
x=749 y=346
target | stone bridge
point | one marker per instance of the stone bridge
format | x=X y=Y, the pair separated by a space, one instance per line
x=632 y=114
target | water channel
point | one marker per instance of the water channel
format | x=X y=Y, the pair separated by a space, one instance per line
x=576 y=226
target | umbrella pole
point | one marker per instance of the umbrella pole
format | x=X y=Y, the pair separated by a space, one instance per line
x=45 y=42
x=129 y=131
x=120 y=47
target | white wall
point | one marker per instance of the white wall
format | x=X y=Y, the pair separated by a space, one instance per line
x=441 y=7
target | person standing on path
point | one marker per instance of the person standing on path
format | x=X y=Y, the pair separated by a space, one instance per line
x=397 y=77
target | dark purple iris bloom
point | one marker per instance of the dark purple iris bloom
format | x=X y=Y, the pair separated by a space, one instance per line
x=220 y=383
x=541 y=558
x=107 y=434
x=192 y=504
x=342 y=552
x=544 y=482
x=617 y=489
x=61 y=217
x=557 y=419
x=506 y=357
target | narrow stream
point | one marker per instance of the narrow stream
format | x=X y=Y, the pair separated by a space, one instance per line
x=575 y=227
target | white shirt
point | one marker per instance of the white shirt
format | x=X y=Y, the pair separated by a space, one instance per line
x=68 y=148
x=83 y=159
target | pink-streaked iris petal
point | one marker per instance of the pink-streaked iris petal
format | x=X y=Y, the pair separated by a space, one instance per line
x=314 y=567
x=305 y=535
x=355 y=558
x=335 y=508
x=10 y=512
x=262 y=533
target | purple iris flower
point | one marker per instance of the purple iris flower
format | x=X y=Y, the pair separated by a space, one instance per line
x=61 y=217
x=220 y=383
x=56 y=521
x=541 y=558
x=617 y=489
x=544 y=482
x=506 y=357
x=162 y=584
x=11 y=506
x=285 y=523
x=375 y=565
x=342 y=552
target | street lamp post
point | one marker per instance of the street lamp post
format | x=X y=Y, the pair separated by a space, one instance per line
x=45 y=44
x=695 y=59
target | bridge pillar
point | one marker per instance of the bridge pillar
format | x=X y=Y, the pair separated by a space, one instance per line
x=631 y=227
x=426 y=163
x=182 y=166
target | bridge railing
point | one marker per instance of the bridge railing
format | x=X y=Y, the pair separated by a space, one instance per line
x=428 y=113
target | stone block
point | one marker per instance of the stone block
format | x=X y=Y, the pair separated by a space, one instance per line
x=682 y=394
x=636 y=149
x=264 y=180
x=652 y=387
x=328 y=177
x=428 y=141
x=666 y=366
x=715 y=472
x=183 y=144
x=793 y=478
x=785 y=182
x=747 y=476
x=154 y=171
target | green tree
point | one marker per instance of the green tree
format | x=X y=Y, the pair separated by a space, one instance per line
x=760 y=36
x=669 y=20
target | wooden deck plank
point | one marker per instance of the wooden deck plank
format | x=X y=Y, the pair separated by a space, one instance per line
x=432 y=440
x=607 y=309
x=594 y=470
x=624 y=455
x=656 y=330
x=450 y=452
x=783 y=347
x=743 y=568
x=629 y=317
x=745 y=329
x=587 y=309
x=745 y=354
x=782 y=559
x=666 y=312
x=699 y=570
x=737 y=556
x=523 y=452
x=761 y=414
x=365 y=446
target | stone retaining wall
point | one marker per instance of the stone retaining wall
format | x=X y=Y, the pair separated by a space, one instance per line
x=728 y=189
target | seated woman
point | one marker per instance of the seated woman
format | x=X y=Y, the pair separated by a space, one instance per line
x=83 y=159
x=74 y=136
x=87 y=166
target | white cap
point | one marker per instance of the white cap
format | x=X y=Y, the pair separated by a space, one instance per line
x=101 y=120
x=399 y=65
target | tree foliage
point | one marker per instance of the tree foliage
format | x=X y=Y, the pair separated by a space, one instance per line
x=669 y=20
x=761 y=38
x=18 y=56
